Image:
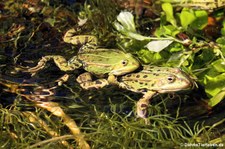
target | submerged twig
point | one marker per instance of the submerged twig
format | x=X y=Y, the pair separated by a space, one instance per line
x=56 y=110
x=51 y=140
x=35 y=119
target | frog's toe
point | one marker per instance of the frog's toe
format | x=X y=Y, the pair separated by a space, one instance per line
x=84 y=77
x=142 y=110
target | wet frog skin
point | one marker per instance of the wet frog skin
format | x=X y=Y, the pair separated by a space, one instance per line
x=148 y=81
x=97 y=61
x=160 y=79
x=152 y=80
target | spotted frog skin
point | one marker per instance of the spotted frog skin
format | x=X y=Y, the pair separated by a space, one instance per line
x=149 y=81
x=97 y=61
x=152 y=80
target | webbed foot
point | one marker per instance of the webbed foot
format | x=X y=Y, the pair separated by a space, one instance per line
x=142 y=105
x=41 y=64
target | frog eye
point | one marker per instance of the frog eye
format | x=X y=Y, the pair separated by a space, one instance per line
x=171 y=79
x=124 y=62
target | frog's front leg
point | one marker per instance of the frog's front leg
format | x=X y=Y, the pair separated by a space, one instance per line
x=142 y=105
x=113 y=80
x=60 y=61
x=86 y=81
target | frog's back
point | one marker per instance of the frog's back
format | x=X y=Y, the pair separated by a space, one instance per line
x=158 y=79
x=101 y=55
x=106 y=61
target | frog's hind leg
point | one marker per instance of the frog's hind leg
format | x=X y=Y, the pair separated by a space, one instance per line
x=70 y=37
x=86 y=81
x=60 y=61
x=142 y=105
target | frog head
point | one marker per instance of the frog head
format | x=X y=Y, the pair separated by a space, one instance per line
x=174 y=81
x=125 y=65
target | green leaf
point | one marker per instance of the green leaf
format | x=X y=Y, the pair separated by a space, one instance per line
x=203 y=58
x=127 y=21
x=201 y=19
x=158 y=45
x=171 y=30
x=221 y=40
x=219 y=65
x=157 y=56
x=149 y=57
x=217 y=98
x=166 y=30
x=176 y=48
x=223 y=29
x=145 y=55
x=168 y=9
x=186 y=18
x=126 y=26
x=214 y=84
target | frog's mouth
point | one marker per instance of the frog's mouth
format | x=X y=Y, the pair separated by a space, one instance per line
x=189 y=85
x=122 y=71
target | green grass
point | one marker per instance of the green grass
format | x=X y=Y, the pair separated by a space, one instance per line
x=107 y=116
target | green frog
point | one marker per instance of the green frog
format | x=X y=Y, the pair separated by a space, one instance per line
x=153 y=80
x=97 y=61
x=150 y=80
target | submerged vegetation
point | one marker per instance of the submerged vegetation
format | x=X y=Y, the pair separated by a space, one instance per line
x=159 y=32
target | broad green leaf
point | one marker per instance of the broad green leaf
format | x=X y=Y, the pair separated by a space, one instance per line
x=219 y=65
x=145 y=55
x=223 y=29
x=126 y=26
x=214 y=84
x=201 y=19
x=171 y=30
x=221 y=40
x=217 y=98
x=176 y=48
x=149 y=57
x=221 y=43
x=158 y=45
x=159 y=32
x=157 y=56
x=127 y=21
x=168 y=9
x=186 y=18
x=166 y=30
x=204 y=57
